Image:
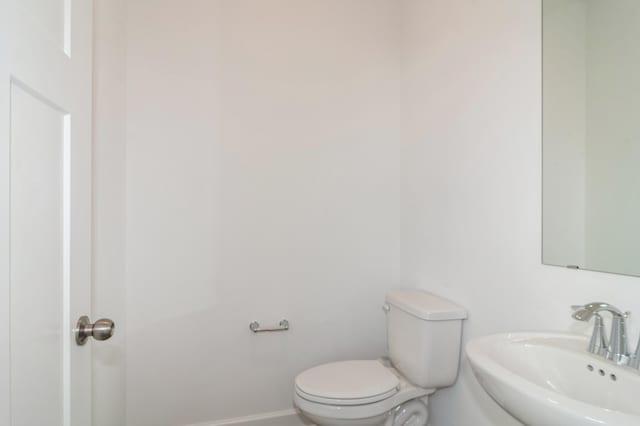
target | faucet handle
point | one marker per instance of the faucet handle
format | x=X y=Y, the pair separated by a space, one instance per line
x=634 y=358
x=618 y=349
x=598 y=344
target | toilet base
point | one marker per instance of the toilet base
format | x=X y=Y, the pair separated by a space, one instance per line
x=326 y=421
x=411 y=413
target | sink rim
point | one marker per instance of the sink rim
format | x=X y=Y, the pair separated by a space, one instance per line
x=492 y=375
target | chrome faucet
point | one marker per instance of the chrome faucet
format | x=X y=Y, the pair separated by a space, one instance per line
x=617 y=348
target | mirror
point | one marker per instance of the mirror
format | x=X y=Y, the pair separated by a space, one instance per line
x=591 y=135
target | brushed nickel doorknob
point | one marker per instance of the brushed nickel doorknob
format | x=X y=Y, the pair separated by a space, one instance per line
x=100 y=330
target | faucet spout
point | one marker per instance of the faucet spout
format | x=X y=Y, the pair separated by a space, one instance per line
x=584 y=313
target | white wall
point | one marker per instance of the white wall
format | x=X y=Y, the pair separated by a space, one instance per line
x=564 y=132
x=262 y=183
x=109 y=209
x=473 y=185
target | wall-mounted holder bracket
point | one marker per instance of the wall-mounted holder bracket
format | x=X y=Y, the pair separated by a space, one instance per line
x=255 y=327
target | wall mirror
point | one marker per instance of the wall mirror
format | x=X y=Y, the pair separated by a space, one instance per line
x=591 y=135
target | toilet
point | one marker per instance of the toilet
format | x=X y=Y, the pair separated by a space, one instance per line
x=424 y=333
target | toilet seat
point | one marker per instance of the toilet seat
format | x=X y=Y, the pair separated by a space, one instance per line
x=338 y=410
x=347 y=383
x=354 y=401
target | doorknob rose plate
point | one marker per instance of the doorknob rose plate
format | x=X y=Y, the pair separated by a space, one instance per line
x=81 y=330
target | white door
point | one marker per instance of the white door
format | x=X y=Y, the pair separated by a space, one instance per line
x=45 y=210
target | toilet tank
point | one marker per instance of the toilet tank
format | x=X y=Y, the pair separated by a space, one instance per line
x=424 y=333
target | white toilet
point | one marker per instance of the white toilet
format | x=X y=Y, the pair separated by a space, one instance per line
x=423 y=335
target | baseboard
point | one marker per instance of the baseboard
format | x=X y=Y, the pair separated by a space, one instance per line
x=276 y=418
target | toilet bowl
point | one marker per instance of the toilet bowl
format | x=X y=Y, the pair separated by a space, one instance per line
x=360 y=393
x=424 y=334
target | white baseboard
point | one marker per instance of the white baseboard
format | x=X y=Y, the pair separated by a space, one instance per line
x=276 y=418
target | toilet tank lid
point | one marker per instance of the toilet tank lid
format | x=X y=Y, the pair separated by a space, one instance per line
x=425 y=305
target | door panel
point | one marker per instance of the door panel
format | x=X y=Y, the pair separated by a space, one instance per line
x=45 y=185
x=39 y=261
x=51 y=17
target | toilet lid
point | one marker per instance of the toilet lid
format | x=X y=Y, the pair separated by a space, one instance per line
x=347 y=382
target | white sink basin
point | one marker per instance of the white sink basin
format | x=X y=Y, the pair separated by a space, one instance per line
x=550 y=379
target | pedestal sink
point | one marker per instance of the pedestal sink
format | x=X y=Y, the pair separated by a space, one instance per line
x=549 y=379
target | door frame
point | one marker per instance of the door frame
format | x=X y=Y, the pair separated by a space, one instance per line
x=5 y=241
